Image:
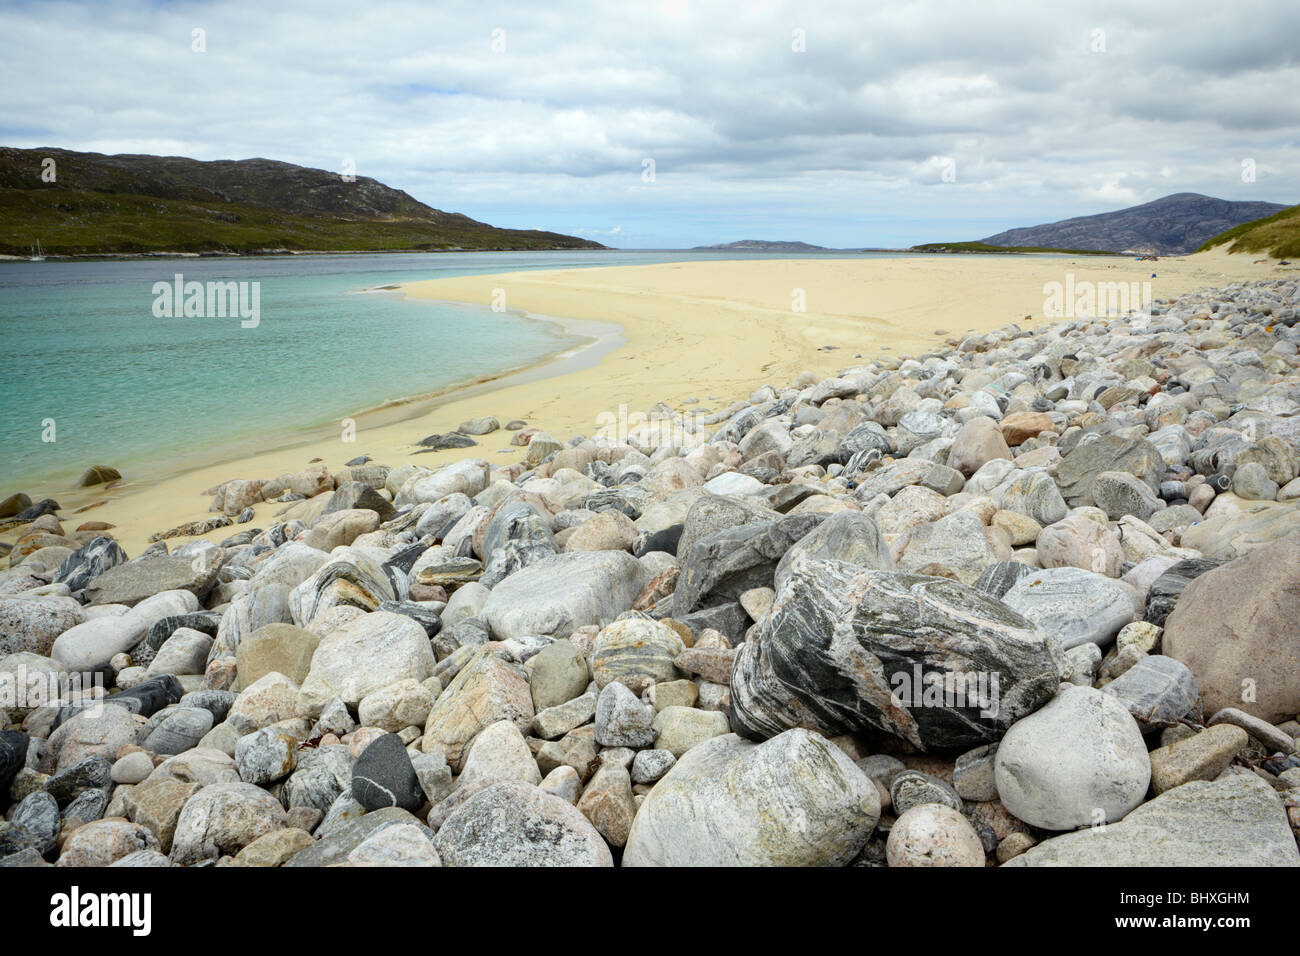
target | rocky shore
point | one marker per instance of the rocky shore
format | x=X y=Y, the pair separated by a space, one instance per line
x=1027 y=599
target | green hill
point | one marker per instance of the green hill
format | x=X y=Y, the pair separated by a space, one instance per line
x=136 y=204
x=1278 y=235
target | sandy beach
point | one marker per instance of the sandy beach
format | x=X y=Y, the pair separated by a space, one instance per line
x=713 y=331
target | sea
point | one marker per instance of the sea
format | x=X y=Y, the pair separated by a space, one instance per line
x=100 y=365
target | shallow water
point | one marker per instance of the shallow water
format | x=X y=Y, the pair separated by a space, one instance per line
x=84 y=349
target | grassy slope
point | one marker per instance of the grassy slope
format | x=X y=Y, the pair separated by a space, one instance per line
x=1278 y=235
x=136 y=204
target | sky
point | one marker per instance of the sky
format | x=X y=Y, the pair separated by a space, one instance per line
x=675 y=123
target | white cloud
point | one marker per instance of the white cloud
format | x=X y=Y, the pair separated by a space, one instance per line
x=745 y=132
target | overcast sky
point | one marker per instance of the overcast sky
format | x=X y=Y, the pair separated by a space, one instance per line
x=840 y=124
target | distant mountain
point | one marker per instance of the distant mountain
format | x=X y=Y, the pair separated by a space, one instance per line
x=101 y=204
x=1278 y=235
x=761 y=245
x=1173 y=225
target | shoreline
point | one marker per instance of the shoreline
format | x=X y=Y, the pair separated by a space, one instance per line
x=594 y=340
x=712 y=330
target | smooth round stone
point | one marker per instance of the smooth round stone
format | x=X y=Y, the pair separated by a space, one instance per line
x=132 y=768
x=1078 y=761
x=933 y=834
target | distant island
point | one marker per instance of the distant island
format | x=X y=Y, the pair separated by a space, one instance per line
x=1172 y=225
x=760 y=245
x=135 y=205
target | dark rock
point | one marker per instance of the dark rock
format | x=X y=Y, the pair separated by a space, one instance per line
x=929 y=660
x=145 y=699
x=405 y=559
x=215 y=702
x=730 y=620
x=721 y=566
x=46 y=506
x=89 y=562
x=39 y=813
x=911 y=788
x=205 y=622
x=179 y=730
x=516 y=521
x=1165 y=590
x=997 y=579
x=514 y=556
x=92 y=773
x=665 y=540
x=88 y=806
x=426 y=617
x=15 y=839
x=465 y=632
x=438 y=442
x=14 y=504
x=98 y=475
x=383 y=776
x=13 y=757
x=358 y=494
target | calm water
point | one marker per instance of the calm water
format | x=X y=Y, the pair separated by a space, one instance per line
x=144 y=394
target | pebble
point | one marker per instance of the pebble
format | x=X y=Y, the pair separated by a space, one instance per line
x=933 y=834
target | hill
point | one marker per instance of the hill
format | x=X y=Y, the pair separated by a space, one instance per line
x=1278 y=235
x=1172 y=225
x=984 y=247
x=138 y=204
x=761 y=245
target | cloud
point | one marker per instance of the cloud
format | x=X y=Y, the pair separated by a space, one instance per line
x=832 y=120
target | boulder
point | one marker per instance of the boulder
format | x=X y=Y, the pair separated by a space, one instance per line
x=559 y=594
x=367 y=654
x=929 y=660
x=1235 y=821
x=1235 y=628
x=1079 y=761
x=794 y=800
x=515 y=824
x=1072 y=605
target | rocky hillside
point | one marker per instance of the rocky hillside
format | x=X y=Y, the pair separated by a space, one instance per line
x=1174 y=225
x=1277 y=235
x=135 y=204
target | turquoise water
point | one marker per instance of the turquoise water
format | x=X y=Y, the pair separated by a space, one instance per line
x=144 y=394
